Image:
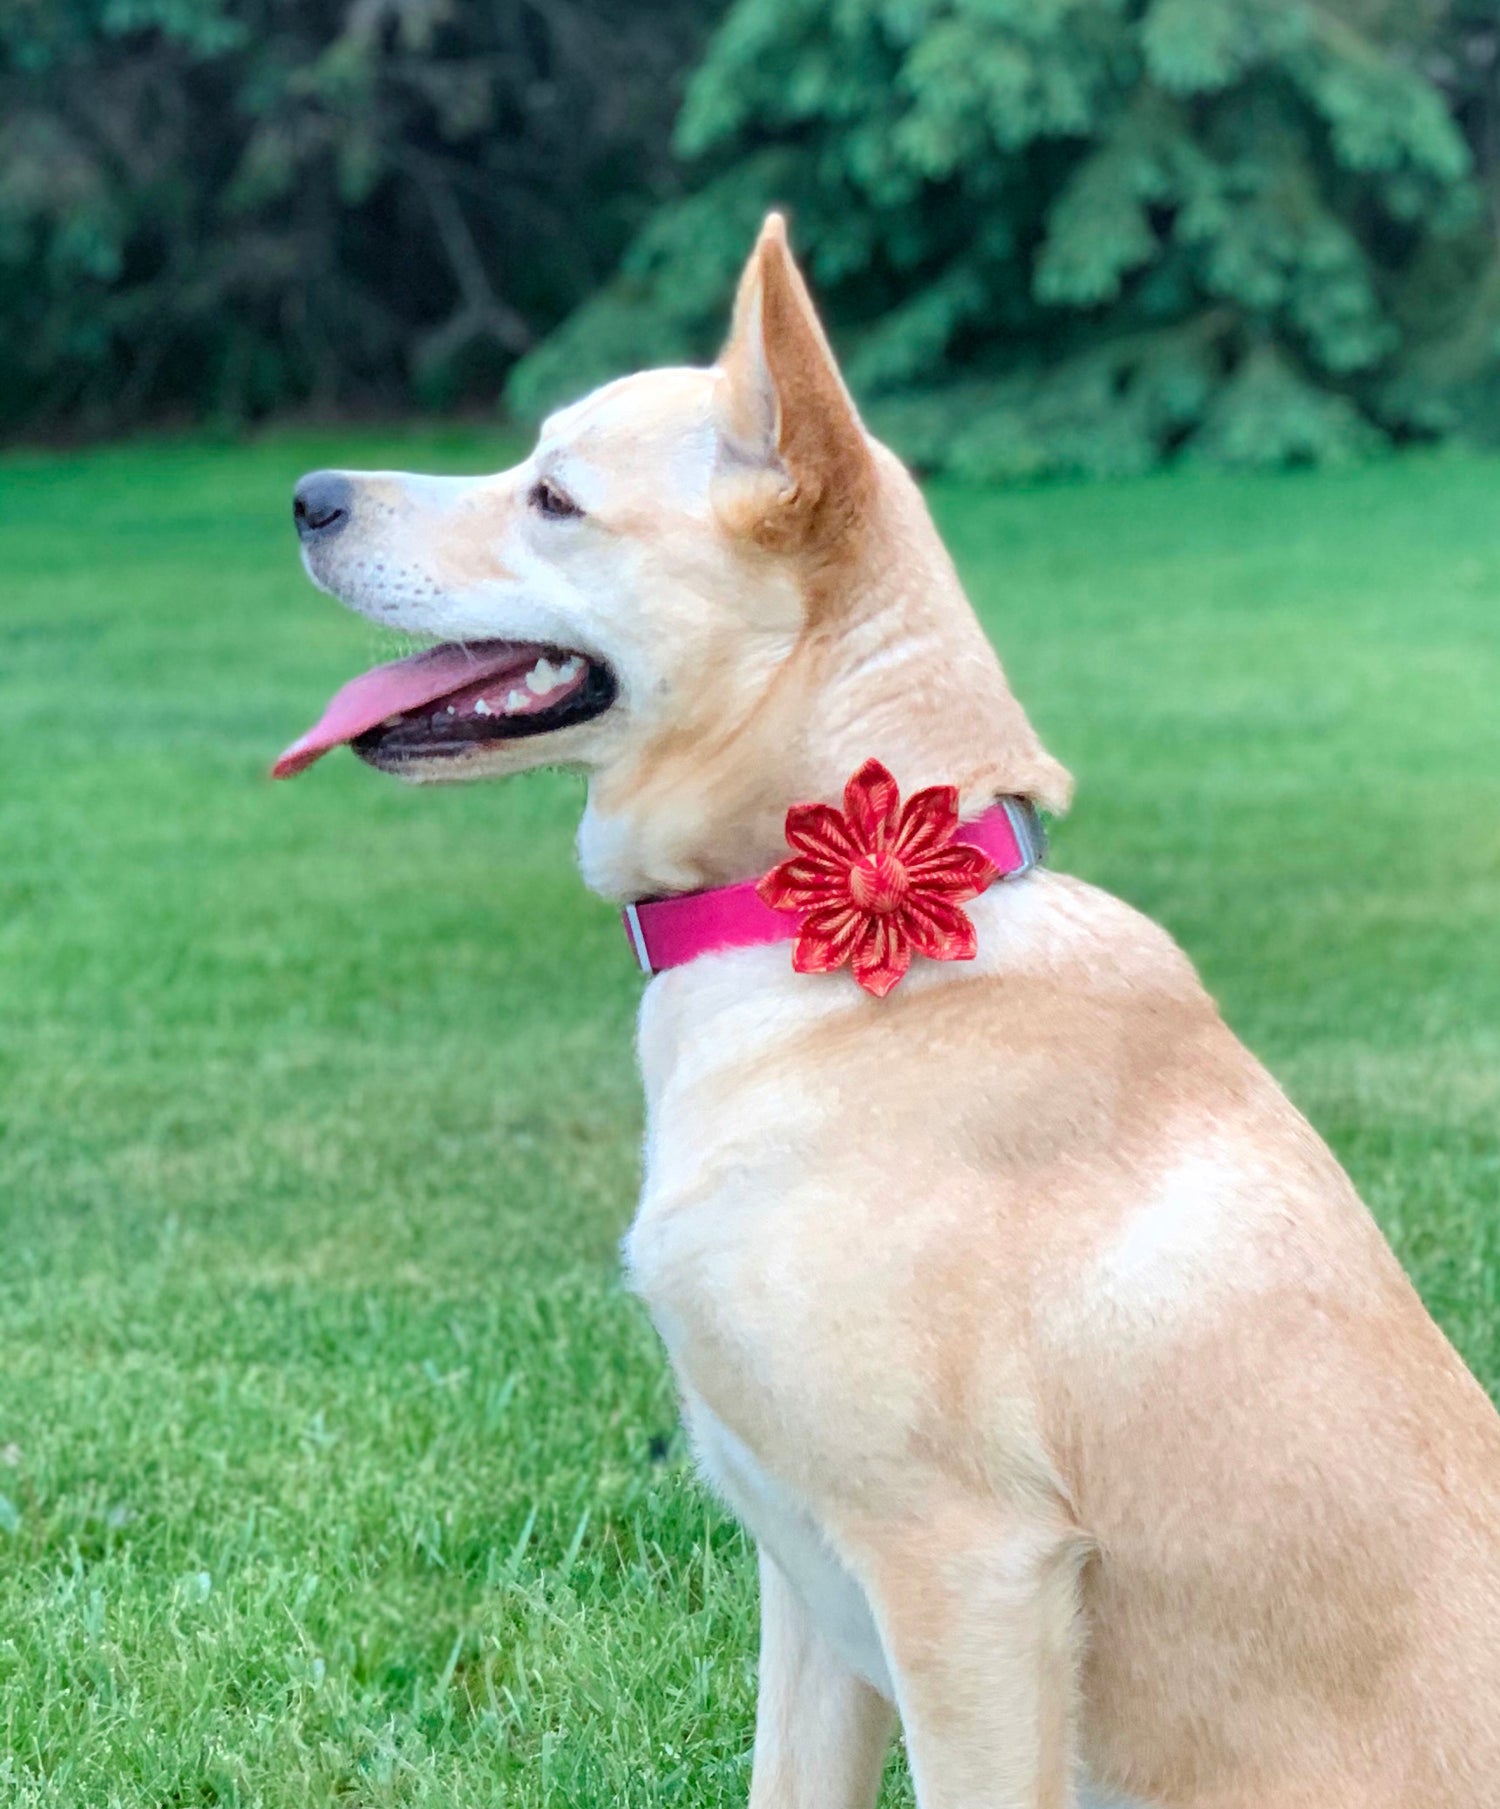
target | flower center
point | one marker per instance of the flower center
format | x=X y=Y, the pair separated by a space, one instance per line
x=877 y=882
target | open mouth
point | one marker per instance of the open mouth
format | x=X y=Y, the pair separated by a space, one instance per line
x=442 y=702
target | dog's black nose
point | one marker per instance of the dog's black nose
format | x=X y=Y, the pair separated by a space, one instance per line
x=322 y=504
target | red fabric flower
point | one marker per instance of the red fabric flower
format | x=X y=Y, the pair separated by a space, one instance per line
x=879 y=881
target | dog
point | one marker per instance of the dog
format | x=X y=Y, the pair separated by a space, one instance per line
x=1081 y=1415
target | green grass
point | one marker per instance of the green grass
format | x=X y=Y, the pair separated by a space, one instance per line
x=335 y=1465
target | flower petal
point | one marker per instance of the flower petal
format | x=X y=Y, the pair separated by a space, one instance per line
x=956 y=873
x=882 y=954
x=872 y=803
x=928 y=821
x=802 y=884
x=939 y=930
x=818 y=830
x=826 y=939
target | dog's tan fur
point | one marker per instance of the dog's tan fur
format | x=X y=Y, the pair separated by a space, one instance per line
x=1078 y=1406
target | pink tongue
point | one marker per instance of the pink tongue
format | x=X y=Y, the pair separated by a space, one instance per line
x=401 y=686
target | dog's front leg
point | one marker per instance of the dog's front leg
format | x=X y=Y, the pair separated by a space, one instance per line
x=978 y=1618
x=821 y=1733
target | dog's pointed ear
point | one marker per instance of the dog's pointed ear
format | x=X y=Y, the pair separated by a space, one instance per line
x=795 y=461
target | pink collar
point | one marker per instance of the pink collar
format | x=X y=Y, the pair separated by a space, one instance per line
x=667 y=932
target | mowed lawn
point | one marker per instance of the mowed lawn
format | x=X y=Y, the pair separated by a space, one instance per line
x=336 y=1466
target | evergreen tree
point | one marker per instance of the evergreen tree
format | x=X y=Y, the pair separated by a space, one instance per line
x=1088 y=234
x=223 y=207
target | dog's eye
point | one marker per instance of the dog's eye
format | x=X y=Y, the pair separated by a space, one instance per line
x=548 y=500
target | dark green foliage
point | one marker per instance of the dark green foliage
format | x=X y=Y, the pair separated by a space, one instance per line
x=1089 y=234
x=226 y=206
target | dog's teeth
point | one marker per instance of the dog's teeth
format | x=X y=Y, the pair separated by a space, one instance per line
x=452 y=710
x=391 y=722
x=517 y=700
x=569 y=668
x=541 y=678
x=481 y=708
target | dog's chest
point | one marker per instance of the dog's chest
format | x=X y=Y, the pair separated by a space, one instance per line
x=784 y=1527
x=729 y=1140
x=779 y=1310
x=709 y=1255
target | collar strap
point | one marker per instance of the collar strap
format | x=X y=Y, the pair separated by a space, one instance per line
x=667 y=932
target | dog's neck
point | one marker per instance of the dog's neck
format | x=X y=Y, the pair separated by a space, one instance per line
x=892 y=663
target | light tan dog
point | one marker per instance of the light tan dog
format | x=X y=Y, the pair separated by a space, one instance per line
x=1081 y=1414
